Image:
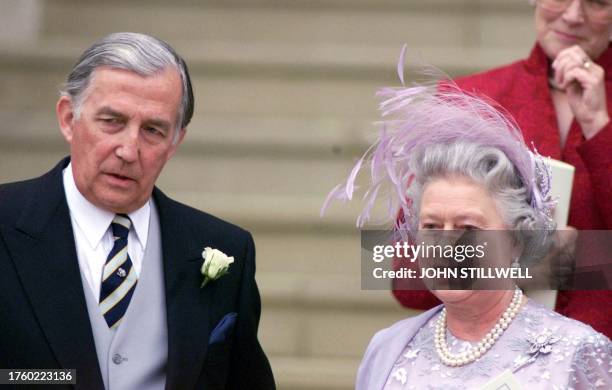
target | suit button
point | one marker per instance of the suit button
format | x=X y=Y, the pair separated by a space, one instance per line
x=117 y=359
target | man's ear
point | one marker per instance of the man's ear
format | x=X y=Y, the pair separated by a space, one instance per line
x=64 y=110
x=175 y=146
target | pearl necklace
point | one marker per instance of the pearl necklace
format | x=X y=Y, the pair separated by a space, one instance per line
x=465 y=357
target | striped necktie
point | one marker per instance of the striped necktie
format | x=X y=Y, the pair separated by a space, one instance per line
x=118 y=277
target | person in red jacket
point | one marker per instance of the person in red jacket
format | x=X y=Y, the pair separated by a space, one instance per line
x=561 y=98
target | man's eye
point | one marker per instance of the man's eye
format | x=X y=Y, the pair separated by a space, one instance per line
x=469 y=227
x=110 y=121
x=428 y=226
x=154 y=131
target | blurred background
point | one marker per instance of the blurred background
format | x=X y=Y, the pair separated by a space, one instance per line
x=284 y=107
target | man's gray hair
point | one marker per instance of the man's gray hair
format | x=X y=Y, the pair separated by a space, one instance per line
x=491 y=168
x=139 y=53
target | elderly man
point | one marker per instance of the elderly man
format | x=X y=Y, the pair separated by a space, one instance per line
x=99 y=270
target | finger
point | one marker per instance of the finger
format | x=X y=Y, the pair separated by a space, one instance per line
x=568 y=59
x=563 y=64
x=582 y=76
x=570 y=62
x=596 y=71
x=588 y=76
x=575 y=52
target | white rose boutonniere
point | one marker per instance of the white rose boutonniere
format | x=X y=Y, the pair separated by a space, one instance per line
x=216 y=264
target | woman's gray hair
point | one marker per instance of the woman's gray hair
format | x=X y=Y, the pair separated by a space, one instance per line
x=491 y=168
x=432 y=131
x=139 y=53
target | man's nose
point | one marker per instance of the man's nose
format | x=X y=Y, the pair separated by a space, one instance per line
x=574 y=13
x=129 y=145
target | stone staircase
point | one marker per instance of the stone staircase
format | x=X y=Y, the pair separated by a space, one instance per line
x=284 y=105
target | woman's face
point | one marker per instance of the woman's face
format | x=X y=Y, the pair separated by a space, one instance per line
x=458 y=203
x=586 y=23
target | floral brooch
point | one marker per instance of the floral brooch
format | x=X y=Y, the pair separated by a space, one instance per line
x=540 y=344
x=216 y=264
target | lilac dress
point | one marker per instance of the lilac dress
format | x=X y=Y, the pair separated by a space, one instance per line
x=542 y=349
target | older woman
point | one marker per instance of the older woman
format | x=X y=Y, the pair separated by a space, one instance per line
x=561 y=97
x=451 y=161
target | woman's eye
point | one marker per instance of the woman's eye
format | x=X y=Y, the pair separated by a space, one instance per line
x=428 y=226
x=469 y=227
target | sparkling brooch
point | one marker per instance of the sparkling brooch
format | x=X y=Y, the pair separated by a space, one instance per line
x=540 y=344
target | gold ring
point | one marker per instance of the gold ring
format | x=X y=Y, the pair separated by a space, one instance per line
x=586 y=64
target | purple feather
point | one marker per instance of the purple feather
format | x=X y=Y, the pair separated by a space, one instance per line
x=417 y=117
x=400 y=63
x=333 y=194
x=350 y=182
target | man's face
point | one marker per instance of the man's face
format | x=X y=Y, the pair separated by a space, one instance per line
x=123 y=136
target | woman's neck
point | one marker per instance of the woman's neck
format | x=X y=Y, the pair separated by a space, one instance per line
x=563 y=112
x=472 y=319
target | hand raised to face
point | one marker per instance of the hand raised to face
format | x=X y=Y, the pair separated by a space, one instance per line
x=584 y=82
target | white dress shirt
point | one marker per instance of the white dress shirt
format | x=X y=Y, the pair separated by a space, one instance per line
x=93 y=235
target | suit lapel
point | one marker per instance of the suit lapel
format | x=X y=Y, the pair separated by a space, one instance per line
x=187 y=305
x=43 y=251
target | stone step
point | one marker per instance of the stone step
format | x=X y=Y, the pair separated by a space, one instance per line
x=233 y=48
x=27 y=90
x=283 y=223
x=266 y=202
x=203 y=179
x=278 y=136
x=308 y=60
x=300 y=373
x=30 y=80
x=322 y=314
x=438 y=23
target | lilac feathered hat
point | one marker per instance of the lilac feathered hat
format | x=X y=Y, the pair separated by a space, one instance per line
x=419 y=116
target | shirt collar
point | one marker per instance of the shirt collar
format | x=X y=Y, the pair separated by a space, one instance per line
x=94 y=221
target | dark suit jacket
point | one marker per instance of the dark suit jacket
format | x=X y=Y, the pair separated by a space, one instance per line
x=43 y=314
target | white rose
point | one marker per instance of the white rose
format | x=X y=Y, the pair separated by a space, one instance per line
x=216 y=264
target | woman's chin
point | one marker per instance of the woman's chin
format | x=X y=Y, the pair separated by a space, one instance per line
x=453 y=296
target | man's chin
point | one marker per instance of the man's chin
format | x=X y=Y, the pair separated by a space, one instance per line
x=119 y=202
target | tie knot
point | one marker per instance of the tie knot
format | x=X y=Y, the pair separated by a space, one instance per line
x=121 y=226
